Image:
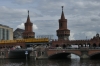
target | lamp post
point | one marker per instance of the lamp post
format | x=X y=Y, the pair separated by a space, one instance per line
x=86 y=41
x=26 y=53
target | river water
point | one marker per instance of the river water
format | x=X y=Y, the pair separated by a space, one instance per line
x=32 y=62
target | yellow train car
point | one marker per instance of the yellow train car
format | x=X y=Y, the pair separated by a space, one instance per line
x=29 y=40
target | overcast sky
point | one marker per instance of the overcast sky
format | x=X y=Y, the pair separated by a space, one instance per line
x=83 y=16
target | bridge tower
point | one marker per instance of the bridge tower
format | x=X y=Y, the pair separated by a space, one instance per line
x=28 y=33
x=63 y=33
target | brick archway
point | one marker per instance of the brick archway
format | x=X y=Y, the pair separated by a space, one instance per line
x=66 y=53
x=54 y=52
x=94 y=54
x=59 y=55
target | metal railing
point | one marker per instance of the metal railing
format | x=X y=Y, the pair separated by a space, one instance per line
x=79 y=48
x=25 y=40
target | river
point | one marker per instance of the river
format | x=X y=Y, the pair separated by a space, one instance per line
x=32 y=62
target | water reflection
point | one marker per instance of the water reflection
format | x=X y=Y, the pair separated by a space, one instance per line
x=32 y=62
x=11 y=62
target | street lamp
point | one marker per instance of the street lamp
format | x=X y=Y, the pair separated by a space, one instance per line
x=26 y=53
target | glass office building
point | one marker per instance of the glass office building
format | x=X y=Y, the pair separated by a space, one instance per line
x=6 y=33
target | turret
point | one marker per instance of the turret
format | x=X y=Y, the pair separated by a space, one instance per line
x=63 y=33
x=28 y=33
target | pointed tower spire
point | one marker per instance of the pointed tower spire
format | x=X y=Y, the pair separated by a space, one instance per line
x=62 y=15
x=28 y=33
x=28 y=12
x=63 y=33
x=28 y=18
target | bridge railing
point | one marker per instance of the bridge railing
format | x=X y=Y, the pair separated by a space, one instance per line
x=61 y=48
x=94 y=48
x=79 y=48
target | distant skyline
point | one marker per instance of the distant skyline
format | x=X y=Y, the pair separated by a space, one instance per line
x=83 y=16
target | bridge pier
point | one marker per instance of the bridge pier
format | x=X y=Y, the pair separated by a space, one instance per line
x=84 y=54
x=4 y=53
x=41 y=53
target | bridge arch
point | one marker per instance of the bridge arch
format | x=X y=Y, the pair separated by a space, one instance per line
x=62 y=55
x=95 y=55
x=88 y=44
x=94 y=45
x=64 y=46
x=57 y=45
x=99 y=44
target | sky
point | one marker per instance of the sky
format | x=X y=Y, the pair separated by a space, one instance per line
x=83 y=16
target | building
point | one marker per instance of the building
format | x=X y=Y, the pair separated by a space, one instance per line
x=28 y=33
x=63 y=33
x=17 y=34
x=6 y=33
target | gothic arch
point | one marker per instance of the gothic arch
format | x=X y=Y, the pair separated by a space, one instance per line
x=68 y=45
x=21 y=46
x=94 y=45
x=94 y=54
x=64 y=46
x=63 y=53
x=99 y=45
x=81 y=45
x=57 y=45
x=84 y=44
x=88 y=44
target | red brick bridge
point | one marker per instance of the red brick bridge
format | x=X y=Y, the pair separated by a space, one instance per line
x=81 y=52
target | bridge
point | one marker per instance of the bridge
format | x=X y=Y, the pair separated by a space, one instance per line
x=43 y=49
x=53 y=53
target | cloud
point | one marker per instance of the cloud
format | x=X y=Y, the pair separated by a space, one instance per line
x=35 y=26
x=23 y=1
x=72 y=36
x=83 y=16
x=13 y=16
x=46 y=27
x=23 y=27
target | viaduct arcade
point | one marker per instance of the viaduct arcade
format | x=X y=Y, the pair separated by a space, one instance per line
x=63 y=49
x=92 y=43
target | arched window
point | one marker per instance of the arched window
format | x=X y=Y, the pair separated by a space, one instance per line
x=94 y=45
x=42 y=53
x=21 y=46
x=68 y=45
x=64 y=46
x=99 y=44
x=57 y=45
x=81 y=45
x=88 y=44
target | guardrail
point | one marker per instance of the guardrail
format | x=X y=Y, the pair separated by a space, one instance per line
x=80 y=48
